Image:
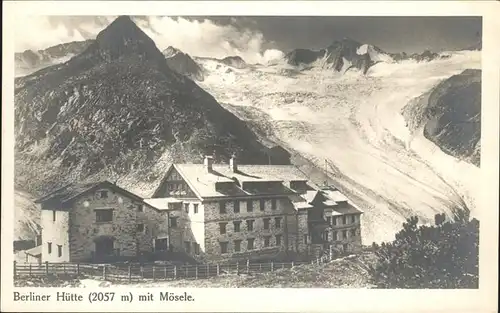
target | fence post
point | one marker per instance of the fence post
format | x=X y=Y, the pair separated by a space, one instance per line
x=64 y=268
x=30 y=269
x=196 y=273
x=218 y=269
x=47 y=268
x=272 y=266
x=317 y=261
x=78 y=269
x=208 y=270
x=15 y=269
x=282 y=266
x=165 y=269
x=142 y=272
x=292 y=264
x=153 y=273
x=248 y=266
x=187 y=271
x=260 y=267
x=237 y=267
x=104 y=271
x=129 y=273
x=175 y=271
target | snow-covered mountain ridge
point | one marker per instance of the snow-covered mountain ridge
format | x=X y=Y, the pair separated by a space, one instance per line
x=354 y=121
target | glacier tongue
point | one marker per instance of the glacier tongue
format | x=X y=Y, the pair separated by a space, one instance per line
x=354 y=122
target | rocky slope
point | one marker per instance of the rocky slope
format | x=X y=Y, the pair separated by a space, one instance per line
x=183 y=64
x=29 y=61
x=450 y=115
x=119 y=109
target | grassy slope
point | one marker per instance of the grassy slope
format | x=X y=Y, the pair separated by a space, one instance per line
x=347 y=272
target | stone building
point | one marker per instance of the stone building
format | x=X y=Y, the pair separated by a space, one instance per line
x=231 y=211
x=99 y=222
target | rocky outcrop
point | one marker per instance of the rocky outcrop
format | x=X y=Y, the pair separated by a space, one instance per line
x=183 y=64
x=450 y=115
x=234 y=61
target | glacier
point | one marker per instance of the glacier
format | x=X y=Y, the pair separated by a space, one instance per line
x=352 y=123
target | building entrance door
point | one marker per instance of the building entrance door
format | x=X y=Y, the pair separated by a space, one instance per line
x=104 y=246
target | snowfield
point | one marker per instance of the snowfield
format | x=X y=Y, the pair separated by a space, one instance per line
x=354 y=122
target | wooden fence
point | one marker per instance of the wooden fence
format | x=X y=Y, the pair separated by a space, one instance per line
x=136 y=272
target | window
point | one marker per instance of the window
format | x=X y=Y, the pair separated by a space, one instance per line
x=186 y=207
x=305 y=239
x=273 y=204
x=59 y=250
x=103 y=216
x=140 y=228
x=353 y=232
x=277 y=221
x=237 y=226
x=49 y=247
x=334 y=221
x=53 y=215
x=249 y=206
x=222 y=228
x=266 y=223
x=196 y=248
x=344 y=234
x=267 y=241
x=173 y=221
x=161 y=244
x=329 y=220
x=187 y=246
x=344 y=219
x=334 y=235
x=223 y=247
x=262 y=205
x=103 y=194
x=250 y=225
x=236 y=205
x=237 y=245
x=140 y=208
x=250 y=243
x=278 y=240
x=195 y=208
x=353 y=218
x=222 y=207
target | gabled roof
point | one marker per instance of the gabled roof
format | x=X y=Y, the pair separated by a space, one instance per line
x=69 y=192
x=203 y=183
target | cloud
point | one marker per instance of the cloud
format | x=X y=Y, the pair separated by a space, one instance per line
x=196 y=37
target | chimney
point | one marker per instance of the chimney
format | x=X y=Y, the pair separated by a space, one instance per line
x=233 y=163
x=207 y=163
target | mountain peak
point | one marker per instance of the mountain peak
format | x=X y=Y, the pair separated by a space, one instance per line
x=171 y=51
x=122 y=38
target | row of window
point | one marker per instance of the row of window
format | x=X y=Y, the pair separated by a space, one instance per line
x=196 y=247
x=195 y=207
x=224 y=245
x=250 y=225
x=59 y=249
x=339 y=235
x=249 y=205
x=341 y=220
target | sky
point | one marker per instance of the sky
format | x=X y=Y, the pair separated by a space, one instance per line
x=261 y=38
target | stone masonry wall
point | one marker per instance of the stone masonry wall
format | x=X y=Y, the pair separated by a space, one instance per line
x=84 y=229
x=213 y=237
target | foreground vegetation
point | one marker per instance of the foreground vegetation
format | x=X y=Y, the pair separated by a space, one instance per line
x=444 y=255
